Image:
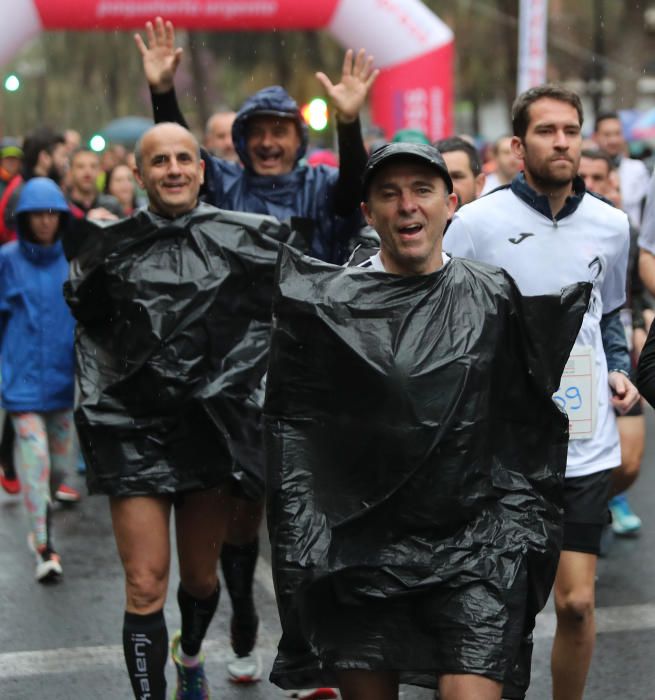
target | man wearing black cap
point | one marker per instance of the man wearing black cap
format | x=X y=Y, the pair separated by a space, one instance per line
x=408 y=198
x=414 y=528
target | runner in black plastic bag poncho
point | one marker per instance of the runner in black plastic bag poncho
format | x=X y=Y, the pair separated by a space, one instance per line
x=415 y=456
x=173 y=307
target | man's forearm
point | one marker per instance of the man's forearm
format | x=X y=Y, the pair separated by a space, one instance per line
x=166 y=109
x=615 y=343
x=352 y=161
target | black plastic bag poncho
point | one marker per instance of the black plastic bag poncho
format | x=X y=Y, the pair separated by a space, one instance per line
x=415 y=464
x=172 y=344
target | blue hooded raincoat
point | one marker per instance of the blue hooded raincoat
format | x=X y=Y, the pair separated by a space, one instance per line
x=36 y=326
x=306 y=191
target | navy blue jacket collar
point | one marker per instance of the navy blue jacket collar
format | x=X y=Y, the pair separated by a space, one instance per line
x=540 y=203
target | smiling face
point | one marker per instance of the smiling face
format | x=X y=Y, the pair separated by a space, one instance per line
x=171 y=170
x=409 y=205
x=272 y=144
x=551 y=146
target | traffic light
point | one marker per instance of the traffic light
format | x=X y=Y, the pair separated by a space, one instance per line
x=12 y=83
x=97 y=143
x=315 y=113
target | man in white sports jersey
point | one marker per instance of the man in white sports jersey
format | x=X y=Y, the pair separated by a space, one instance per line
x=548 y=232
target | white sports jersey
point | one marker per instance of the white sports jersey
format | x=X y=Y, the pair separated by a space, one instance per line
x=375 y=262
x=634 y=177
x=543 y=255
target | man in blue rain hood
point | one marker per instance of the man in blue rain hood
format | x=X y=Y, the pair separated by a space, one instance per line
x=270 y=137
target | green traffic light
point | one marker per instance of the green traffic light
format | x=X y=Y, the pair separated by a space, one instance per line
x=97 y=143
x=12 y=83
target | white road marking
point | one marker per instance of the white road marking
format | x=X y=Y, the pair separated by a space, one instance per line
x=22 y=664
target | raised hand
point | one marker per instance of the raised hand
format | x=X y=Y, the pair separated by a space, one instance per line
x=160 y=57
x=357 y=77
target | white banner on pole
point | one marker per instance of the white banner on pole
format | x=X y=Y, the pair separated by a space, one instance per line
x=533 y=27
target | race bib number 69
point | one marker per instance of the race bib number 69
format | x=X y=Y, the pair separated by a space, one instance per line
x=576 y=395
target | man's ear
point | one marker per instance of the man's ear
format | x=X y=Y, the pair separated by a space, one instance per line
x=516 y=144
x=202 y=169
x=452 y=204
x=138 y=178
x=367 y=214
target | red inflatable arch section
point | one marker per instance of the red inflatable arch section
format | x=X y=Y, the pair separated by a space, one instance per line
x=411 y=45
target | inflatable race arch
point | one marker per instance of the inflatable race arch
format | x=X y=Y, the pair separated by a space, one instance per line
x=412 y=46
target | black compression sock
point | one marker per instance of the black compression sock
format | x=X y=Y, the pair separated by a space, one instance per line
x=196 y=616
x=238 y=563
x=145 y=644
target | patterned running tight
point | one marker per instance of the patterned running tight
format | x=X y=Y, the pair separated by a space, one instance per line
x=43 y=446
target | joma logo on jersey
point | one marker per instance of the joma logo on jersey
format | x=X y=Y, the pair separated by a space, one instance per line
x=520 y=237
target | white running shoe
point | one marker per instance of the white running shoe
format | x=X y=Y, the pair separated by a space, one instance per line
x=48 y=562
x=245 y=669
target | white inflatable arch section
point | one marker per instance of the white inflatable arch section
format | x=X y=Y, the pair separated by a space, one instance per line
x=412 y=46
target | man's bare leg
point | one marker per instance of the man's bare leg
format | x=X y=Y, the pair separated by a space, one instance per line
x=466 y=686
x=368 y=685
x=632 y=433
x=141 y=529
x=576 y=628
x=200 y=525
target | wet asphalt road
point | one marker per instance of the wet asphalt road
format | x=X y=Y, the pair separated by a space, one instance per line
x=62 y=642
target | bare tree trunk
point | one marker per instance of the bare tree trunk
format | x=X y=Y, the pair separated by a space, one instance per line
x=630 y=52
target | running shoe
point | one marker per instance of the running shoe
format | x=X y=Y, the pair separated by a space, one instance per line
x=11 y=486
x=313 y=694
x=624 y=520
x=67 y=494
x=246 y=666
x=245 y=669
x=48 y=562
x=191 y=680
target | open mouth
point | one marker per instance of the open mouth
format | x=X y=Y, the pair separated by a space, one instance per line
x=269 y=158
x=410 y=229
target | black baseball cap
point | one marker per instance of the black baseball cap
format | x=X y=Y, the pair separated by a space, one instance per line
x=402 y=150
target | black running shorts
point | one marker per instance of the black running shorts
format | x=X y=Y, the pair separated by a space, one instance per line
x=586 y=511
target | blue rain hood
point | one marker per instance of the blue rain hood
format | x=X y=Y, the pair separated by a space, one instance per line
x=40 y=194
x=273 y=100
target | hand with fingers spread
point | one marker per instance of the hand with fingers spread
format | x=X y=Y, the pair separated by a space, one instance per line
x=160 y=57
x=357 y=77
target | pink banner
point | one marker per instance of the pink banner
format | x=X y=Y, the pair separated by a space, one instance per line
x=417 y=94
x=411 y=45
x=225 y=15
